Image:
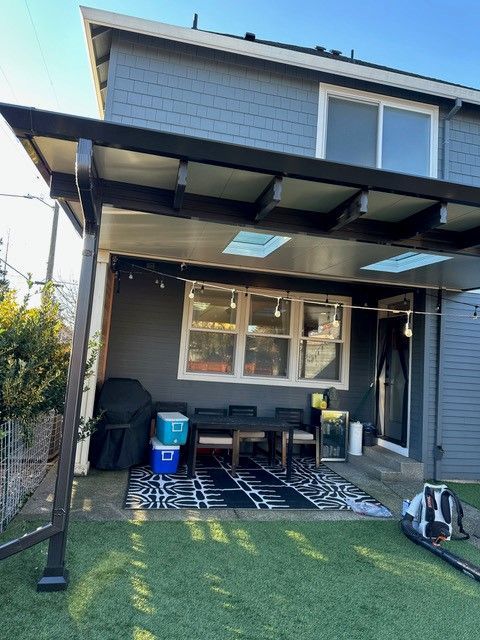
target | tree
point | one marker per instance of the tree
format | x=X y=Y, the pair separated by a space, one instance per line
x=33 y=360
x=4 y=285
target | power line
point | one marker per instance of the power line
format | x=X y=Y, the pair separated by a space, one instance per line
x=16 y=270
x=8 y=83
x=42 y=54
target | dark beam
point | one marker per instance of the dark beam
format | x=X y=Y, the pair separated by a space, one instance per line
x=469 y=239
x=233 y=212
x=269 y=198
x=419 y=223
x=347 y=212
x=28 y=122
x=102 y=85
x=102 y=60
x=98 y=30
x=180 y=185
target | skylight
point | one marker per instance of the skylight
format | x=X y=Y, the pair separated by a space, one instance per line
x=406 y=261
x=255 y=245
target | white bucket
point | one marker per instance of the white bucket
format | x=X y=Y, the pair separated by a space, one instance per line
x=355 y=439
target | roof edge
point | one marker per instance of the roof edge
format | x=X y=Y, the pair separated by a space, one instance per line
x=270 y=53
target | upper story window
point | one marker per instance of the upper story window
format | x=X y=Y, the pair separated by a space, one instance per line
x=303 y=342
x=377 y=131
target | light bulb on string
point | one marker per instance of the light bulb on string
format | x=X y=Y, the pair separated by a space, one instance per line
x=191 y=295
x=277 y=313
x=408 y=327
x=233 y=304
x=130 y=276
x=162 y=284
x=475 y=313
x=336 y=321
x=157 y=281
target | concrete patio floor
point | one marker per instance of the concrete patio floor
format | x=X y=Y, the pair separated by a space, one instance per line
x=99 y=497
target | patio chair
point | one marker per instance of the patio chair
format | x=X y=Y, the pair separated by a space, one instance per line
x=301 y=436
x=211 y=439
x=121 y=438
x=247 y=411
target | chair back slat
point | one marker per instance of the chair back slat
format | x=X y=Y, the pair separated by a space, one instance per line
x=210 y=411
x=293 y=416
x=242 y=410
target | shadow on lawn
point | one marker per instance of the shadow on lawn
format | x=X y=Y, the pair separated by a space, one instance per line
x=228 y=580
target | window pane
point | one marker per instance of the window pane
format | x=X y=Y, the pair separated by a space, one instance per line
x=211 y=352
x=211 y=310
x=352 y=132
x=319 y=360
x=266 y=357
x=263 y=320
x=406 y=141
x=318 y=321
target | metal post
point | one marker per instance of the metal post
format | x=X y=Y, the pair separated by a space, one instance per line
x=53 y=242
x=55 y=575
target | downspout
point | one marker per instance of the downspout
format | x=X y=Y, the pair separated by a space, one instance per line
x=446 y=137
x=437 y=442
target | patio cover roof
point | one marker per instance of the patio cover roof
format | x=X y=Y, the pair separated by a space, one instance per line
x=339 y=217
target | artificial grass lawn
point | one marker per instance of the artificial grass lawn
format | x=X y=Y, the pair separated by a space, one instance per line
x=241 y=580
x=467 y=491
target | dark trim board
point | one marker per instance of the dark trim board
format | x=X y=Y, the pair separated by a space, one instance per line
x=341 y=223
x=28 y=122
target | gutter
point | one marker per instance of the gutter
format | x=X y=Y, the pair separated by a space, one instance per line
x=446 y=136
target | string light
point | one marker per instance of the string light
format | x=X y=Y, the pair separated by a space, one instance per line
x=162 y=284
x=277 y=313
x=336 y=321
x=245 y=291
x=157 y=281
x=408 y=327
x=118 y=281
x=233 y=304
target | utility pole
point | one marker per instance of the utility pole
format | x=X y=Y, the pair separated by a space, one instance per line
x=53 y=242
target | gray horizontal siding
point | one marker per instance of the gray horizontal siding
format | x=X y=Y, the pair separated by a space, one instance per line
x=460 y=390
x=144 y=344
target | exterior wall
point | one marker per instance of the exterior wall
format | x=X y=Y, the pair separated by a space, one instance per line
x=416 y=384
x=212 y=94
x=144 y=344
x=459 y=397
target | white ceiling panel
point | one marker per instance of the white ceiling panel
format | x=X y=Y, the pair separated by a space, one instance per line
x=222 y=182
x=59 y=154
x=136 y=168
x=152 y=236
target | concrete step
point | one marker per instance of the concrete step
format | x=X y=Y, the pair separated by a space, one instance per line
x=375 y=470
x=411 y=469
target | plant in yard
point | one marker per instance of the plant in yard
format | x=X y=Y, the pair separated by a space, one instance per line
x=32 y=358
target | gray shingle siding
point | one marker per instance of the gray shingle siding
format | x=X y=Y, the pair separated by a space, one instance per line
x=464 y=147
x=196 y=91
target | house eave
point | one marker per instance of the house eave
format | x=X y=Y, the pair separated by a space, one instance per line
x=334 y=67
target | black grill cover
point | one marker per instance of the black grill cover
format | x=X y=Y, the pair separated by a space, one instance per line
x=121 y=439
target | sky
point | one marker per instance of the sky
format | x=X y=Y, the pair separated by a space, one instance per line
x=43 y=63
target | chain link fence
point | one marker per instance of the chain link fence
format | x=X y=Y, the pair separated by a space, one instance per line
x=23 y=464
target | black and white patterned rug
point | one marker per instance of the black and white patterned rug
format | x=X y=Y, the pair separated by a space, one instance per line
x=257 y=485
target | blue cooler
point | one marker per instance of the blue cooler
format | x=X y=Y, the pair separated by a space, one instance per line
x=172 y=427
x=163 y=457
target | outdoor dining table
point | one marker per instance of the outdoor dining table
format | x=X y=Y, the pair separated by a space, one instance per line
x=237 y=424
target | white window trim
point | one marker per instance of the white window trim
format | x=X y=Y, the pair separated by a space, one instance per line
x=238 y=376
x=326 y=91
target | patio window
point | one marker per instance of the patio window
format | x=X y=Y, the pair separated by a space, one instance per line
x=213 y=329
x=305 y=344
x=377 y=131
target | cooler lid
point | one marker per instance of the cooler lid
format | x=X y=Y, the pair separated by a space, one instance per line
x=156 y=444
x=172 y=416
